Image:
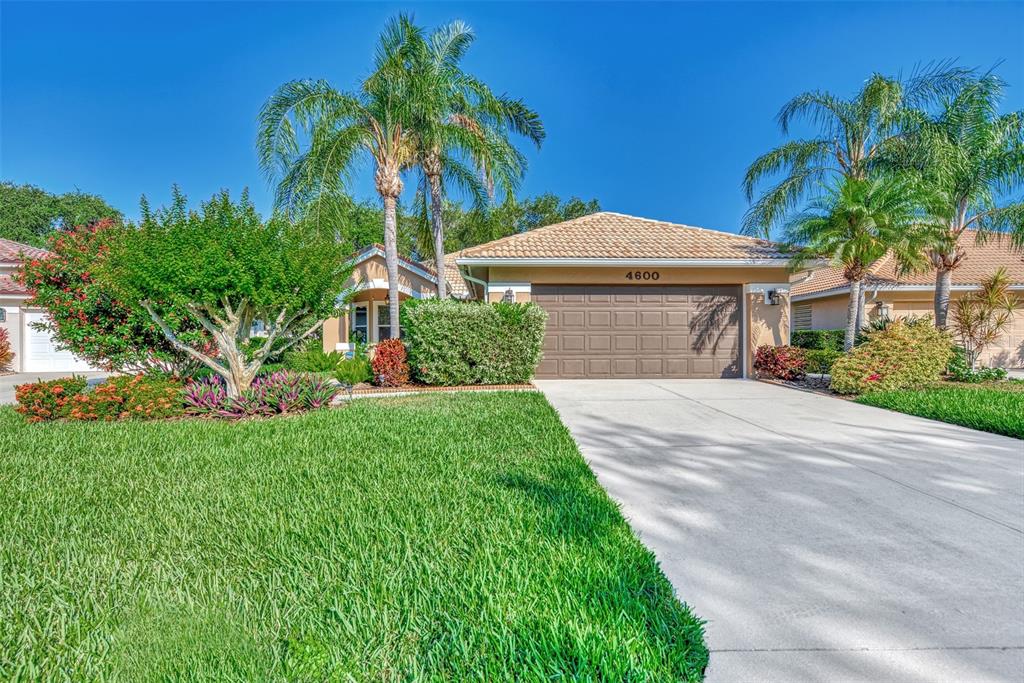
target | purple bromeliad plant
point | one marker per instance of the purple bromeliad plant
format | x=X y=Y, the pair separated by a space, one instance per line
x=279 y=392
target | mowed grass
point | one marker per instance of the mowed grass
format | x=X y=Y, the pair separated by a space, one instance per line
x=442 y=537
x=996 y=408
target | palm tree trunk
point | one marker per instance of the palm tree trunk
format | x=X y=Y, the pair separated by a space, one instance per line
x=391 y=259
x=852 y=326
x=437 y=222
x=943 y=284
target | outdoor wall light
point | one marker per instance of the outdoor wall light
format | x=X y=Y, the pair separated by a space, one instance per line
x=773 y=298
x=509 y=296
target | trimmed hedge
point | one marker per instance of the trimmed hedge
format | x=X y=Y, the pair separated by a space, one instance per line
x=454 y=342
x=904 y=355
x=820 y=361
x=818 y=340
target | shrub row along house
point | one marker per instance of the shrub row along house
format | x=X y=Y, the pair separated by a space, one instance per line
x=820 y=301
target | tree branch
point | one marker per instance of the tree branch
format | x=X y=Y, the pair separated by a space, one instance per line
x=173 y=338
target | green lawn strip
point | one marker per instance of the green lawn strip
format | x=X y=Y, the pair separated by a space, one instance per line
x=441 y=537
x=991 y=408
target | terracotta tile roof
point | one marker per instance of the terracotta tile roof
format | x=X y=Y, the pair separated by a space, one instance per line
x=608 y=235
x=10 y=252
x=9 y=286
x=456 y=285
x=980 y=260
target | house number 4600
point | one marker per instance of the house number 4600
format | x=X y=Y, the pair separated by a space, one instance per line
x=643 y=275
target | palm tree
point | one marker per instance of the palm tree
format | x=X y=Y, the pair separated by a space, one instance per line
x=858 y=221
x=374 y=121
x=458 y=119
x=851 y=136
x=970 y=156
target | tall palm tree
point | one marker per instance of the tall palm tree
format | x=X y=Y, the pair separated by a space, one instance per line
x=972 y=157
x=858 y=221
x=850 y=136
x=342 y=127
x=458 y=119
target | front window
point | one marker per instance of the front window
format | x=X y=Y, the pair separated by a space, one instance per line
x=360 y=324
x=383 y=322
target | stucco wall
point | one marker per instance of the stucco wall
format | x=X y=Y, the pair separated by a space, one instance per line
x=767 y=324
x=374 y=272
x=830 y=313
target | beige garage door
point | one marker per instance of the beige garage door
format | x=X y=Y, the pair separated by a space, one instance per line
x=640 y=331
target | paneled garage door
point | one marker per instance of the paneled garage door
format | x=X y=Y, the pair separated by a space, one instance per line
x=627 y=331
x=42 y=353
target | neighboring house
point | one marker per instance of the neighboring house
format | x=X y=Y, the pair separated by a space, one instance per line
x=820 y=302
x=34 y=349
x=367 y=317
x=627 y=297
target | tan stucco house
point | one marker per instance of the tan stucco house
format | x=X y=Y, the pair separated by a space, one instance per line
x=820 y=301
x=34 y=349
x=627 y=297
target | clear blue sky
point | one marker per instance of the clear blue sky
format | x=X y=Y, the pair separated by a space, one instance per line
x=654 y=109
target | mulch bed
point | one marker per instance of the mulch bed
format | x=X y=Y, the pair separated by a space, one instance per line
x=366 y=390
x=813 y=385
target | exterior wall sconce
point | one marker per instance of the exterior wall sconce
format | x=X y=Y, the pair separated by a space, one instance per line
x=772 y=297
x=509 y=297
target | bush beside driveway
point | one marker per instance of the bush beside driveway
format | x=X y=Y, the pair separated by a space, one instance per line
x=448 y=537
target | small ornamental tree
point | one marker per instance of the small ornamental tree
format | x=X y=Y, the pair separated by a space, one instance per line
x=226 y=269
x=981 y=317
x=87 y=318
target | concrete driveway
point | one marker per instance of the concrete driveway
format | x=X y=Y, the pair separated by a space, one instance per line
x=8 y=382
x=821 y=540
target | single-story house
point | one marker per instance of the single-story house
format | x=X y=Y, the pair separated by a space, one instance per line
x=34 y=349
x=627 y=297
x=820 y=301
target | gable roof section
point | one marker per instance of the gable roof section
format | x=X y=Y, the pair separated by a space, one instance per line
x=10 y=251
x=456 y=285
x=615 y=237
x=981 y=259
x=372 y=250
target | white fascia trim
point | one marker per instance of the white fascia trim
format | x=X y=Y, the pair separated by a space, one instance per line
x=516 y=287
x=744 y=335
x=377 y=251
x=692 y=263
x=383 y=284
x=893 y=288
x=764 y=287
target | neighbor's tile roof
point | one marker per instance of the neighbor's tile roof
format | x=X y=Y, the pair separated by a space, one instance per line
x=981 y=259
x=608 y=235
x=9 y=286
x=10 y=251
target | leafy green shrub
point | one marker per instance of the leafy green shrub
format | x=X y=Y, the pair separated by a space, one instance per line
x=389 y=365
x=48 y=400
x=139 y=397
x=959 y=370
x=820 y=361
x=353 y=371
x=313 y=360
x=818 y=340
x=472 y=342
x=905 y=355
x=780 y=362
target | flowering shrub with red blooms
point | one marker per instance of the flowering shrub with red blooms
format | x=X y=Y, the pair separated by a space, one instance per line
x=390 y=368
x=86 y=317
x=780 y=362
x=905 y=355
x=48 y=400
x=6 y=355
x=138 y=397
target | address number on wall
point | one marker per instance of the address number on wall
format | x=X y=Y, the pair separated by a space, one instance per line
x=643 y=275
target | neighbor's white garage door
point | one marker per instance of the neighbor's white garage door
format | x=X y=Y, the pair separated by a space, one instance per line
x=41 y=352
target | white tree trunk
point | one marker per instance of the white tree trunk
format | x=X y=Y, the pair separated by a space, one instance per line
x=852 y=316
x=437 y=223
x=391 y=259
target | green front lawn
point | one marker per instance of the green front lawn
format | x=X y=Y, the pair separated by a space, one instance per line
x=997 y=408
x=442 y=537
